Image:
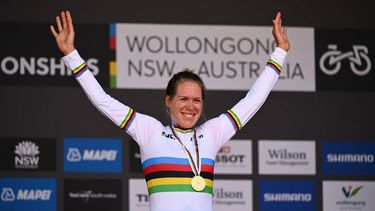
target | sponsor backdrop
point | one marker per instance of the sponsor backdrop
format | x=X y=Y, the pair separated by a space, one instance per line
x=310 y=147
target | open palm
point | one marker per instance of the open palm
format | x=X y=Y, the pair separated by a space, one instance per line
x=65 y=35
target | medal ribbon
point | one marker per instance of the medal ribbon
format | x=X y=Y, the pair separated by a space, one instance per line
x=195 y=168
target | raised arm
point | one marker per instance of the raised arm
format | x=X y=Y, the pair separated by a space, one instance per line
x=236 y=117
x=109 y=106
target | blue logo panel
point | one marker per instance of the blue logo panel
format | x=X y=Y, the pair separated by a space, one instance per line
x=27 y=194
x=92 y=155
x=287 y=196
x=348 y=158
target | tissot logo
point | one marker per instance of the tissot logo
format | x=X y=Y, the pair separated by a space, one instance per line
x=92 y=155
x=26 y=155
x=224 y=156
x=234 y=158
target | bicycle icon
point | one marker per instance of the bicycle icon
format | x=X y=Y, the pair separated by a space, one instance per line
x=360 y=63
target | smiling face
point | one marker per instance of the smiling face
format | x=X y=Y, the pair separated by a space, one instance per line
x=185 y=107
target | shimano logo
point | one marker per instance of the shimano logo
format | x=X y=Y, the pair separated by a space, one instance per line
x=26 y=194
x=26 y=155
x=350 y=158
x=287 y=197
x=74 y=155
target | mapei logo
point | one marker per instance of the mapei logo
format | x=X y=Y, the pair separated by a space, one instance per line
x=26 y=194
x=359 y=61
x=74 y=155
x=350 y=192
x=26 y=155
x=7 y=194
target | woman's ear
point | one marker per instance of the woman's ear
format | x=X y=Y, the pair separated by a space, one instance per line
x=167 y=102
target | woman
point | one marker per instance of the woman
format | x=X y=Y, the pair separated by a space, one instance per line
x=177 y=159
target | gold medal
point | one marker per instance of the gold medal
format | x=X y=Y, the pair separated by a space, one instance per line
x=198 y=183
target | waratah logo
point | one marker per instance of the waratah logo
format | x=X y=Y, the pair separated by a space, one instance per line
x=27 y=148
x=349 y=192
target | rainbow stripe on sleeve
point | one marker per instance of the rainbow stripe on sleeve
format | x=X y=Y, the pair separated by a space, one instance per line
x=169 y=174
x=80 y=69
x=234 y=120
x=274 y=65
x=129 y=118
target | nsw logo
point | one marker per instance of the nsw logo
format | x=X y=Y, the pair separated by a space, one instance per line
x=26 y=155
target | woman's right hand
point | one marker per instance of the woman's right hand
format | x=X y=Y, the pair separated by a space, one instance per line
x=65 y=35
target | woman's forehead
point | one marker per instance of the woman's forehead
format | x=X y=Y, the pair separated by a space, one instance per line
x=189 y=88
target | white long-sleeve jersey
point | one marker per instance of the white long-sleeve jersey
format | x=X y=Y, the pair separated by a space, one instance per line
x=165 y=164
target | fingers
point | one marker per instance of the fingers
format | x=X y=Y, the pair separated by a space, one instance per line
x=285 y=32
x=63 y=19
x=70 y=21
x=58 y=22
x=53 y=30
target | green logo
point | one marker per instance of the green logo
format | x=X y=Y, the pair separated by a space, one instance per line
x=349 y=192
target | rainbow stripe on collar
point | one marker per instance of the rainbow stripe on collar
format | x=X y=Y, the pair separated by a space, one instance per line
x=181 y=129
